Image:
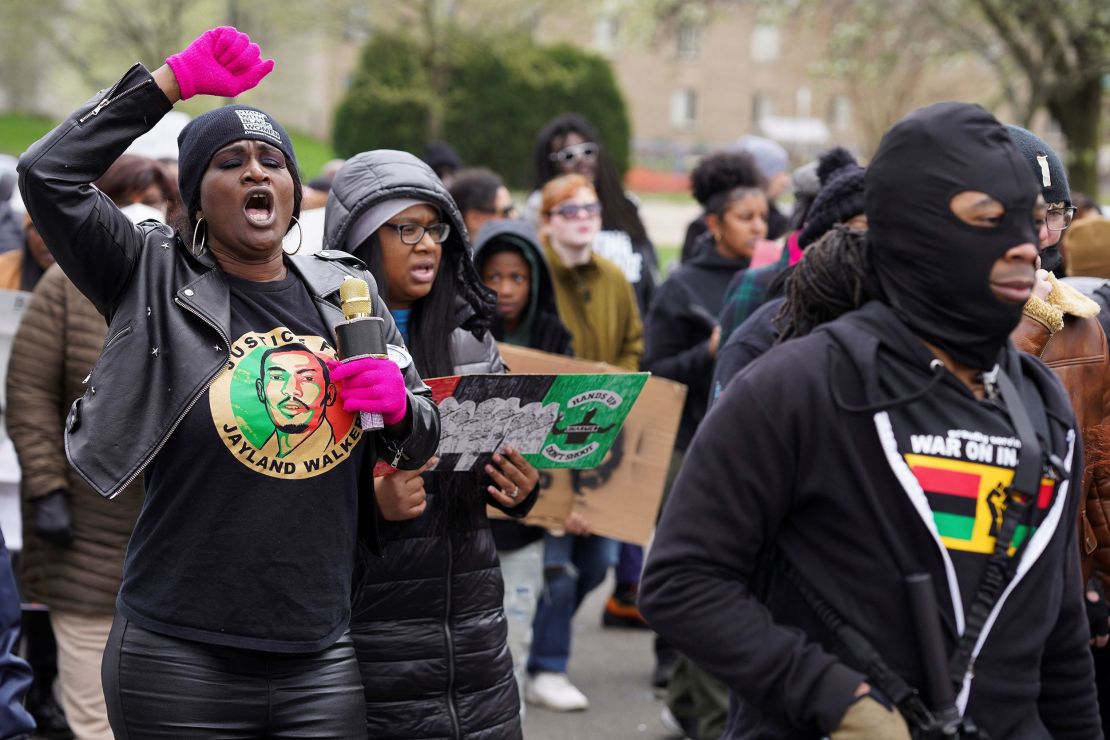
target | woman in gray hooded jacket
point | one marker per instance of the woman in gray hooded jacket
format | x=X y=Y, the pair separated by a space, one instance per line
x=427 y=620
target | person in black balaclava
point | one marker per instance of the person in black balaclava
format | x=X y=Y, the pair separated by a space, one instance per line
x=947 y=302
x=883 y=445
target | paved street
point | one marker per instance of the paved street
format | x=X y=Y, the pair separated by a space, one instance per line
x=613 y=668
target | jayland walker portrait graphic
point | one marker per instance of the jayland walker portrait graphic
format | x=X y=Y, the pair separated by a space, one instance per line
x=276 y=407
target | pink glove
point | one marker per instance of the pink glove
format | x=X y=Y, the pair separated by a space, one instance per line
x=373 y=386
x=222 y=61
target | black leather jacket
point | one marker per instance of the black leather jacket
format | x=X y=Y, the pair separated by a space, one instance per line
x=168 y=312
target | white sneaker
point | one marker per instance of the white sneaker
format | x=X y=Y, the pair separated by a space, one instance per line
x=554 y=691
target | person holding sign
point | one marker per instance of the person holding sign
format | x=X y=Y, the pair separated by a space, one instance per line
x=428 y=622
x=233 y=611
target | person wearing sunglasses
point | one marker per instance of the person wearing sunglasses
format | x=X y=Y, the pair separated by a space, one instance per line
x=481 y=197
x=428 y=622
x=569 y=144
x=596 y=304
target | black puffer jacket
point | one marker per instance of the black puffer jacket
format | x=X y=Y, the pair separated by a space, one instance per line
x=427 y=622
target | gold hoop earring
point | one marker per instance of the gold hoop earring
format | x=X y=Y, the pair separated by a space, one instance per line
x=195 y=249
x=300 y=238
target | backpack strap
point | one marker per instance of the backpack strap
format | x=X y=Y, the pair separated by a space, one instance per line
x=1021 y=498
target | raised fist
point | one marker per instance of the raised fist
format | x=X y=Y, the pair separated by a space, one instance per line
x=222 y=61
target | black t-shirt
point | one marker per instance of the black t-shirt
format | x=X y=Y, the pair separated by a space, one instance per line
x=963 y=452
x=247 y=535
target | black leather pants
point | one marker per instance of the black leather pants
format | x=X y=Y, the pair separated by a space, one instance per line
x=164 y=687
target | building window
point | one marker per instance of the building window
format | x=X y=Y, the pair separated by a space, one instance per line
x=763 y=106
x=765 y=43
x=683 y=108
x=803 y=102
x=840 y=113
x=689 y=42
x=605 y=33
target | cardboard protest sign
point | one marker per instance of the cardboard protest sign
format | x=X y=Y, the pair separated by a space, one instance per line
x=620 y=496
x=555 y=421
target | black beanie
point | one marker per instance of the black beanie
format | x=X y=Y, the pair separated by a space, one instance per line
x=1046 y=165
x=209 y=132
x=840 y=197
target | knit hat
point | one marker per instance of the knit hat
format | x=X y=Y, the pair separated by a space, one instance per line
x=440 y=156
x=1088 y=248
x=769 y=155
x=840 y=197
x=206 y=134
x=1045 y=163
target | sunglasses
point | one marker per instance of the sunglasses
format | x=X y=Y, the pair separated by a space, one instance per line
x=576 y=210
x=585 y=150
x=411 y=234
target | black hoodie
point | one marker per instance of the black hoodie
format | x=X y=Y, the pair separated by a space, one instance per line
x=541 y=324
x=821 y=482
x=545 y=330
x=678 y=326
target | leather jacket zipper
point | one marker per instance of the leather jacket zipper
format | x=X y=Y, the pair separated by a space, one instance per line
x=188 y=408
x=456 y=731
x=107 y=99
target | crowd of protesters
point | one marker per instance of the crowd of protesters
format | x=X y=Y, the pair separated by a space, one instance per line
x=886 y=514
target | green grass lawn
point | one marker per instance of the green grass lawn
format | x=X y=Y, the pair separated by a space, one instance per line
x=312 y=154
x=17 y=132
x=668 y=257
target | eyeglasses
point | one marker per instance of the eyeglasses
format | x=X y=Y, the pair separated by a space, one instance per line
x=585 y=150
x=1058 y=219
x=411 y=234
x=576 y=210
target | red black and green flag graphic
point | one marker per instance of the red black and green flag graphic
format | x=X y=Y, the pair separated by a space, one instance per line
x=968 y=499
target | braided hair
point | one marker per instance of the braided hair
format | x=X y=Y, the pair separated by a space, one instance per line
x=833 y=279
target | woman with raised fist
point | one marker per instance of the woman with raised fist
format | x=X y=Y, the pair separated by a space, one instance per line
x=215 y=384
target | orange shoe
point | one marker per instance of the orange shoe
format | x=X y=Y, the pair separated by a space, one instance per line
x=621 y=611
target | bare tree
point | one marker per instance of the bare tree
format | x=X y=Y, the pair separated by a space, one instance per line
x=1042 y=56
x=93 y=39
x=1048 y=55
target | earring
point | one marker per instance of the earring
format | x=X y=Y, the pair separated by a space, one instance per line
x=196 y=249
x=300 y=238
